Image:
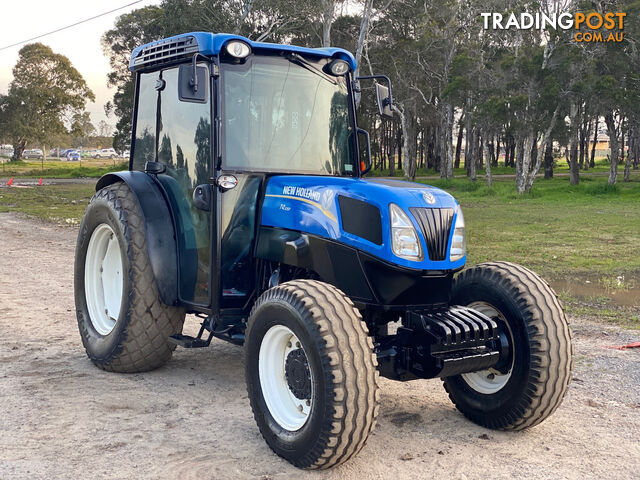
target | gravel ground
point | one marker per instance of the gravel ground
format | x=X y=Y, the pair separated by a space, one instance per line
x=60 y=417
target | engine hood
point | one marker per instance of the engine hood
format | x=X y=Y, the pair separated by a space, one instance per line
x=354 y=212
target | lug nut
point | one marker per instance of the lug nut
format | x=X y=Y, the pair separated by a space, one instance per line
x=298 y=344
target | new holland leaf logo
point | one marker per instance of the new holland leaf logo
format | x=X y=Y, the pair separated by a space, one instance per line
x=429 y=198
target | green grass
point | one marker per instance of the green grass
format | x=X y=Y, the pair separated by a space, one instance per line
x=61 y=169
x=559 y=230
x=62 y=204
x=587 y=232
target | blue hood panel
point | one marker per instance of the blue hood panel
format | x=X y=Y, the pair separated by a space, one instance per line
x=310 y=204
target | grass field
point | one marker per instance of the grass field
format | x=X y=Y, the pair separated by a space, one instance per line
x=53 y=168
x=588 y=235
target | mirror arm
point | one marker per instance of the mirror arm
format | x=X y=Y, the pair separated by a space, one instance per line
x=194 y=75
x=388 y=101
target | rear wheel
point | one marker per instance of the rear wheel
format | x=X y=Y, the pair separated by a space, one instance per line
x=122 y=321
x=311 y=374
x=531 y=380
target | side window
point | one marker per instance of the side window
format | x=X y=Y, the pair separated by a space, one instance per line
x=145 y=139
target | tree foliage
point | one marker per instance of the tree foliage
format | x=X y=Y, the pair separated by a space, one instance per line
x=460 y=90
x=45 y=94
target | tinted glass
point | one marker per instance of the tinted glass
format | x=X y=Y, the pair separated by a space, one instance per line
x=183 y=143
x=280 y=116
x=145 y=139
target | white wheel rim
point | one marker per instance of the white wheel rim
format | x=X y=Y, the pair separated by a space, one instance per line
x=489 y=381
x=288 y=411
x=103 y=283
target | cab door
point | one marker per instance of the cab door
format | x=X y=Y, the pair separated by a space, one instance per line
x=177 y=132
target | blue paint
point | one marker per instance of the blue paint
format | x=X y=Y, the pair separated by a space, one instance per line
x=211 y=44
x=310 y=204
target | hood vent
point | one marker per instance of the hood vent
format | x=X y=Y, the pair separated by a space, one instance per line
x=435 y=224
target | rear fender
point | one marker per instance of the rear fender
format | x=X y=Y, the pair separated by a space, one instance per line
x=159 y=229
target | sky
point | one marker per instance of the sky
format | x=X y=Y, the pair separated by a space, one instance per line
x=25 y=19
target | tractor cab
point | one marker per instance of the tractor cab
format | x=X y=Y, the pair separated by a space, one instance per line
x=215 y=117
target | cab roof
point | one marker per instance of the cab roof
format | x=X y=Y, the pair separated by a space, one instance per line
x=208 y=44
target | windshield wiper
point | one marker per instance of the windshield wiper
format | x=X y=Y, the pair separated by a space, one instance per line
x=298 y=60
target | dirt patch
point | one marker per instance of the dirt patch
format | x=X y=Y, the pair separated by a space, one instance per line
x=63 y=418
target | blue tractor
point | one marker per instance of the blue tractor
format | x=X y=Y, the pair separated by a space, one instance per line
x=246 y=204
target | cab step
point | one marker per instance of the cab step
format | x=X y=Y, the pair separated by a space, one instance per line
x=186 y=341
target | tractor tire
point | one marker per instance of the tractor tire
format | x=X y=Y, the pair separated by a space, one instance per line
x=311 y=374
x=531 y=384
x=123 y=323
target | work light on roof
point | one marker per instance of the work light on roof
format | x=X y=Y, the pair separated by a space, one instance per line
x=238 y=49
x=338 y=67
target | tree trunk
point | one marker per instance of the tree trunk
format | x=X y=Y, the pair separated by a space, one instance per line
x=516 y=159
x=513 y=153
x=507 y=152
x=408 y=145
x=540 y=151
x=613 y=144
x=328 y=10
x=627 y=165
x=622 y=126
x=592 y=162
x=523 y=162
x=574 y=168
x=583 y=131
x=487 y=161
x=587 y=136
x=548 y=160
x=446 y=136
x=473 y=175
x=459 y=143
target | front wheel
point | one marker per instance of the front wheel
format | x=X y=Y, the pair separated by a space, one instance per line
x=311 y=374
x=531 y=379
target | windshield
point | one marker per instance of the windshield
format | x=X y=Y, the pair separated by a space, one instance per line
x=281 y=115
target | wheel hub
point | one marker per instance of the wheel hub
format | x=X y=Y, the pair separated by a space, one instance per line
x=298 y=374
x=494 y=379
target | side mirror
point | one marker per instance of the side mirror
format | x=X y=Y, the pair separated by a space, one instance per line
x=384 y=101
x=192 y=83
x=364 y=154
x=383 y=94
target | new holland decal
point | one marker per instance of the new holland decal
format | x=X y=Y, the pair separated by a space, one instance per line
x=310 y=196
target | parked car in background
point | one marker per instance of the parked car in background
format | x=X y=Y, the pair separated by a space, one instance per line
x=106 y=153
x=73 y=155
x=33 y=153
x=90 y=153
x=6 y=151
x=126 y=154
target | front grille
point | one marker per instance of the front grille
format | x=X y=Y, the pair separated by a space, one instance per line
x=435 y=224
x=167 y=50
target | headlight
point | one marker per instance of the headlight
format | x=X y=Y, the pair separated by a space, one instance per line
x=459 y=242
x=404 y=239
x=238 y=49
